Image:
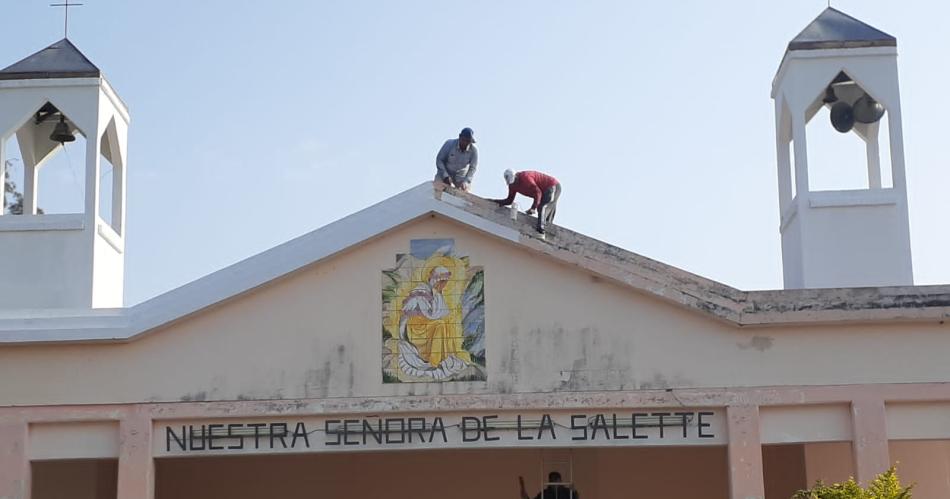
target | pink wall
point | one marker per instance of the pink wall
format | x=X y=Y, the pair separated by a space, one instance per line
x=924 y=463
x=670 y=473
x=829 y=462
x=784 y=470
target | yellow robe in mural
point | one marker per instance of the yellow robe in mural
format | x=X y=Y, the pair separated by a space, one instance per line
x=431 y=324
x=436 y=339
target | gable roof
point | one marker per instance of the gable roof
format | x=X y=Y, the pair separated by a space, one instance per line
x=835 y=29
x=642 y=274
x=60 y=60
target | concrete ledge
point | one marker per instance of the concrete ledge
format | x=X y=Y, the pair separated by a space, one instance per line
x=21 y=223
x=858 y=197
x=763 y=396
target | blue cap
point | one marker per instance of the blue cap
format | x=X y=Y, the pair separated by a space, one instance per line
x=467 y=133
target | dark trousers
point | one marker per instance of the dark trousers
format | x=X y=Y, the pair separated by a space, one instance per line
x=548 y=206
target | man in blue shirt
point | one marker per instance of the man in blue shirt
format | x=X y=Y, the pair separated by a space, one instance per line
x=457 y=161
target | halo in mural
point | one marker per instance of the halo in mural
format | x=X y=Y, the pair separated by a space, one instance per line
x=433 y=316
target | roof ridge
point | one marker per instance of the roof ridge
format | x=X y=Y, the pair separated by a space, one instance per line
x=78 y=51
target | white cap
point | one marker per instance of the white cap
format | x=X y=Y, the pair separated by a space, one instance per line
x=509 y=177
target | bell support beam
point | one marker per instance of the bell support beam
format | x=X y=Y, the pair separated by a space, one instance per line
x=800 y=142
x=29 y=189
x=873 y=146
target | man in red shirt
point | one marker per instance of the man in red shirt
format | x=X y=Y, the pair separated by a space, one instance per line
x=544 y=189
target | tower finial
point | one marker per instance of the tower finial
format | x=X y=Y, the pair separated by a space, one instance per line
x=65 y=7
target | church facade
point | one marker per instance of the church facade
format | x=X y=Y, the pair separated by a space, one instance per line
x=434 y=345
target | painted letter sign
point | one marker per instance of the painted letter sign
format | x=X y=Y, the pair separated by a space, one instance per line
x=401 y=432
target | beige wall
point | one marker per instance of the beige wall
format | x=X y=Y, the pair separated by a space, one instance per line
x=683 y=473
x=549 y=327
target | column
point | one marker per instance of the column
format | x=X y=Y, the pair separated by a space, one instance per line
x=873 y=146
x=746 y=480
x=29 y=188
x=783 y=144
x=869 y=444
x=14 y=462
x=136 y=466
x=3 y=175
x=92 y=169
x=896 y=135
x=800 y=144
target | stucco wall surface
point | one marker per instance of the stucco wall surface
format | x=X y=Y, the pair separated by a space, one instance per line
x=549 y=327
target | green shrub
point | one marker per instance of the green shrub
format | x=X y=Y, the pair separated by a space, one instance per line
x=886 y=486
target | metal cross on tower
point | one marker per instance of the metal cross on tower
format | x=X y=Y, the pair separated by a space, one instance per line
x=66 y=7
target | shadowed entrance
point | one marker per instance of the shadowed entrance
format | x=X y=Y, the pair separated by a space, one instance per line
x=672 y=473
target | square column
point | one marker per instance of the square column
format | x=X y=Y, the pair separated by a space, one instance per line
x=746 y=479
x=3 y=174
x=15 y=482
x=869 y=445
x=136 y=465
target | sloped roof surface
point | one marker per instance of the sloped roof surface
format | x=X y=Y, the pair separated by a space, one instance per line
x=715 y=300
x=60 y=60
x=835 y=29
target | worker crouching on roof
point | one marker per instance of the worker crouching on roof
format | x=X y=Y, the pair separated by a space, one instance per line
x=457 y=161
x=544 y=189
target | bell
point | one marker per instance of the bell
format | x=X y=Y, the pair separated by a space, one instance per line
x=842 y=117
x=61 y=133
x=830 y=96
x=868 y=110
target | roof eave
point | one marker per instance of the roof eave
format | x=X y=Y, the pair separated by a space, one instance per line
x=840 y=44
x=40 y=75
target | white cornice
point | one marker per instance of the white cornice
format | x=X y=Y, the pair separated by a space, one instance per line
x=794 y=55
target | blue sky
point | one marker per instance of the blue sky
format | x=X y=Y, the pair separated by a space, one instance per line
x=255 y=122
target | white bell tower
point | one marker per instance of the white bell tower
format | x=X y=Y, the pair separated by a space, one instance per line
x=65 y=260
x=841 y=238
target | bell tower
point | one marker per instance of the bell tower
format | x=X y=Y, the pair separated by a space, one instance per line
x=854 y=237
x=63 y=260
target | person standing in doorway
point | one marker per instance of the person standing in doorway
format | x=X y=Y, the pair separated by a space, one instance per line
x=457 y=161
x=544 y=189
x=554 y=490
